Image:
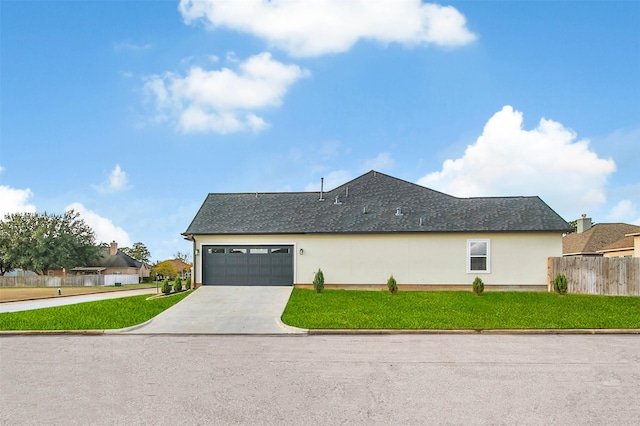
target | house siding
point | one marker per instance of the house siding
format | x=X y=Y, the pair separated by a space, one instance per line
x=434 y=259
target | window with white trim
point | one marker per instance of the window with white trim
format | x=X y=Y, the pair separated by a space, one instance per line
x=478 y=256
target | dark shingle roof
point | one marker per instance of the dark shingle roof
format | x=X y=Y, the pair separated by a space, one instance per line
x=368 y=204
x=118 y=260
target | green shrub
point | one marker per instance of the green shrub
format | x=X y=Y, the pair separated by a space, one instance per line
x=560 y=285
x=187 y=285
x=392 y=284
x=318 y=281
x=166 y=287
x=177 y=284
x=478 y=286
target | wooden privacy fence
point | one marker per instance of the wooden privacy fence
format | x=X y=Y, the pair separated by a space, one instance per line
x=598 y=275
x=67 y=280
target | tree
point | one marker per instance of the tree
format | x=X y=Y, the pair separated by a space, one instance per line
x=15 y=235
x=139 y=252
x=41 y=242
x=164 y=269
x=182 y=256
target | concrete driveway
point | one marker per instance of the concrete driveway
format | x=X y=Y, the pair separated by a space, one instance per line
x=223 y=310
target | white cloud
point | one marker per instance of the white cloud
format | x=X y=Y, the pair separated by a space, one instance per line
x=117 y=181
x=382 y=162
x=317 y=27
x=335 y=178
x=509 y=160
x=104 y=228
x=625 y=211
x=331 y=181
x=224 y=100
x=15 y=201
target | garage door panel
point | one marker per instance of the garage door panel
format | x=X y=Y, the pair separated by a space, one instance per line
x=248 y=265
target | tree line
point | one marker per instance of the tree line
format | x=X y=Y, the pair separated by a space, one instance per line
x=43 y=242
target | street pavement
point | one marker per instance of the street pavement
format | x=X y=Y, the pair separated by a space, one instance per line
x=320 y=380
x=27 y=305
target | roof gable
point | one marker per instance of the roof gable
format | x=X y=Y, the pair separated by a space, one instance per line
x=371 y=203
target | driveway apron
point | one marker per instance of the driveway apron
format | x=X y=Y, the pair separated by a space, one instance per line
x=223 y=310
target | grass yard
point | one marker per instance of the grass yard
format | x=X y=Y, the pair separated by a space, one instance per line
x=447 y=310
x=26 y=293
x=100 y=315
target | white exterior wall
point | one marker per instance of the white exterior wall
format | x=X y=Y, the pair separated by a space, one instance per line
x=435 y=259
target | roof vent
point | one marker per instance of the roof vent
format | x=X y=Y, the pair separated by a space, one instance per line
x=337 y=202
x=364 y=210
x=321 y=190
x=399 y=211
x=421 y=222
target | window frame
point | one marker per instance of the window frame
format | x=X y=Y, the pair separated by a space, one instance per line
x=487 y=270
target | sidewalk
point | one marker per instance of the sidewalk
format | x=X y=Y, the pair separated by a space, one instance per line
x=26 y=305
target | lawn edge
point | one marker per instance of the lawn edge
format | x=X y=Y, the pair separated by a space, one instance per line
x=531 y=331
x=321 y=332
x=50 y=332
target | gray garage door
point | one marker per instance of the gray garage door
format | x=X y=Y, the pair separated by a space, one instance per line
x=247 y=265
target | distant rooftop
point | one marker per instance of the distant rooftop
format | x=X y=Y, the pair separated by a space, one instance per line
x=601 y=236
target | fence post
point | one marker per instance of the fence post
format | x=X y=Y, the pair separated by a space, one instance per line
x=550 y=274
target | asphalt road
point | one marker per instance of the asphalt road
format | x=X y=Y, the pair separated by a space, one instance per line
x=320 y=380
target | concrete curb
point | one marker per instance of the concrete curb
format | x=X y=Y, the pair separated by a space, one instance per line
x=50 y=332
x=291 y=330
x=481 y=331
x=326 y=332
x=127 y=329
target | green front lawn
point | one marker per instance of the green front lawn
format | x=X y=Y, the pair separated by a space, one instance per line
x=348 y=309
x=99 y=315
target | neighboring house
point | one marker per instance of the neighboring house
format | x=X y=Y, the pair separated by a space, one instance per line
x=621 y=248
x=370 y=228
x=182 y=268
x=602 y=239
x=636 y=243
x=629 y=246
x=114 y=261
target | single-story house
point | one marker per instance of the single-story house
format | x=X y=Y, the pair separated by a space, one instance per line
x=370 y=228
x=629 y=246
x=636 y=243
x=114 y=261
x=601 y=239
x=182 y=268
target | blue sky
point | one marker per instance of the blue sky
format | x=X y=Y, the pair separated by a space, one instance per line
x=132 y=111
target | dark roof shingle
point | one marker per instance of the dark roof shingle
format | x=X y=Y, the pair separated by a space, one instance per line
x=118 y=260
x=368 y=204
